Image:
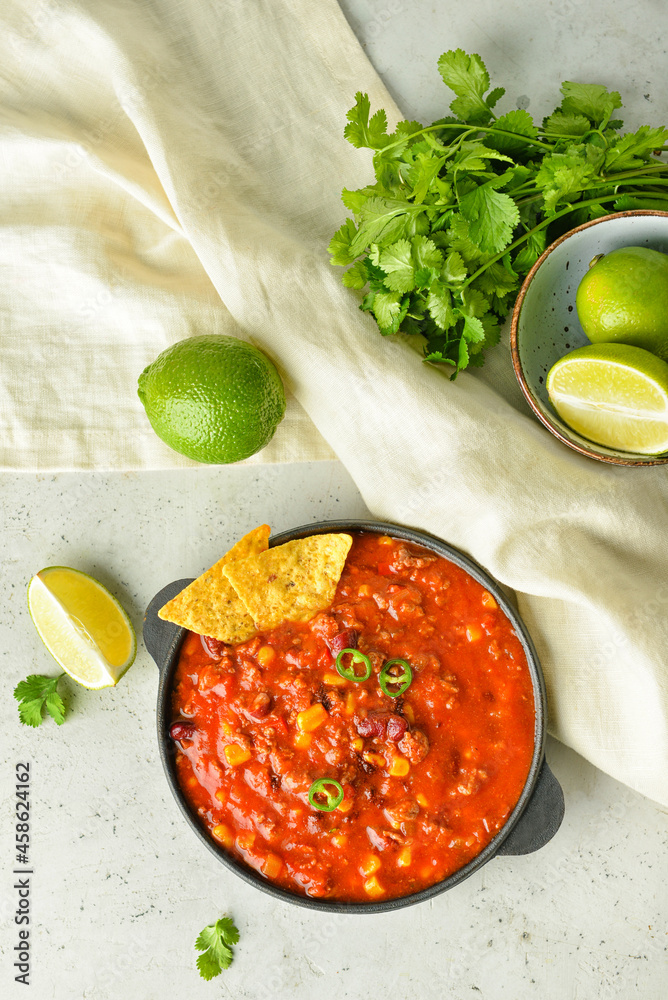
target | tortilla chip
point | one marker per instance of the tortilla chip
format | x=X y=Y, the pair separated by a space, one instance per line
x=291 y=582
x=210 y=605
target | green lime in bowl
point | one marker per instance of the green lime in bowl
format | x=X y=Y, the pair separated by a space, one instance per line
x=607 y=408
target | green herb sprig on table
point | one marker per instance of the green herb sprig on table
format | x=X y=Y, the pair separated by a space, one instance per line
x=35 y=693
x=215 y=942
x=462 y=209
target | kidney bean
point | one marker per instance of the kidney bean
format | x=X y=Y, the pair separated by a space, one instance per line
x=213 y=647
x=372 y=725
x=396 y=727
x=347 y=639
x=259 y=707
x=382 y=724
x=181 y=730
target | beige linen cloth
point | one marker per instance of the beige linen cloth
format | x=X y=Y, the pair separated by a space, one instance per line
x=173 y=168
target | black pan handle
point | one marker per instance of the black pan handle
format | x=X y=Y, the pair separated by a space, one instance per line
x=159 y=635
x=540 y=820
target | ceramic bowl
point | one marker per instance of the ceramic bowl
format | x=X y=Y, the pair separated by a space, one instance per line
x=532 y=823
x=545 y=323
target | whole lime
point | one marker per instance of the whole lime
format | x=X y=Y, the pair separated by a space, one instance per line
x=213 y=398
x=623 y=298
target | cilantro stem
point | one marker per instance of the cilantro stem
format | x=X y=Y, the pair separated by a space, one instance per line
x=626 y=174
x=611 y=181
x=468 y=130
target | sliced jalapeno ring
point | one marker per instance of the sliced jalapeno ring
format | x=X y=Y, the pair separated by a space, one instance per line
x=329 y=790
x=349 y=671
x=395 y=682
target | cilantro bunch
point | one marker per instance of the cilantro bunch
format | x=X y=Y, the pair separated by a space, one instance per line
x=462 y=209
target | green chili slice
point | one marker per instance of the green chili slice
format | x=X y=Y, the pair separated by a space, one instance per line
x=395 y=682
x=349 y=671
x=324 y=787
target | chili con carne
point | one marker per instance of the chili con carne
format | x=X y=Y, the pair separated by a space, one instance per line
x=428 y=775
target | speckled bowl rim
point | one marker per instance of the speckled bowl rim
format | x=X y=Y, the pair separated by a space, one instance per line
x=589 y=451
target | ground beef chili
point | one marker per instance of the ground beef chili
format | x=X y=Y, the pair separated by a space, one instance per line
x=428 y=777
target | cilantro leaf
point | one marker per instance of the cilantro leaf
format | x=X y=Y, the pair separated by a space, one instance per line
x=520 y=123
x=494 y=96
x=454 y=269
x=354 y=200
x=404 y=260
x=562 y=176
x=362 y=132
x=389 y=308
x=439 y=304
x=473 y=157
x=571 y=125
x=397 y=262
x=355 y=276
x=635 y=148
x=35 y=693
x=491 y=215
x=339 y=247
x=467 y=76
x=382 y=220
x=530 y=252
x=422 y=174
x=216 y=942
x=437 y=357
x=592 y=100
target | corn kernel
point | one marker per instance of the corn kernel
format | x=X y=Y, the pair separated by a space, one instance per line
x=271 y=866
x=223 y=834
x=422 y=800
x=399 y=767
x=345 y=806
x=235 y=754
x=408 y=713
x=334 y=680
x=404 y=858
x=374 y=758
x=488 y=601
x=373 y=887
x=473 y=633
x=245 y=839
x=350 y=704
x=358 y=744
x=339 y=840
x=311 y=718
x=365 y=590
x=265 y=655
x=192 y=781
x=302 y=740
x=384 y=540
x=370 y=865
x=220 y=795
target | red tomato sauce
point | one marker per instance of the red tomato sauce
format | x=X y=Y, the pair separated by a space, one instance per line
x=428 y=778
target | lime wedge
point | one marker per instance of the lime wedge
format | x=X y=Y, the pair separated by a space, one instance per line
x=615 y=395
x=83 y=627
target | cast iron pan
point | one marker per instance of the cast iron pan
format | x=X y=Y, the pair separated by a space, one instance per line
x=532 y=823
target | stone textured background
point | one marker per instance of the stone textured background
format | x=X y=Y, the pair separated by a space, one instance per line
x=121 y=886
